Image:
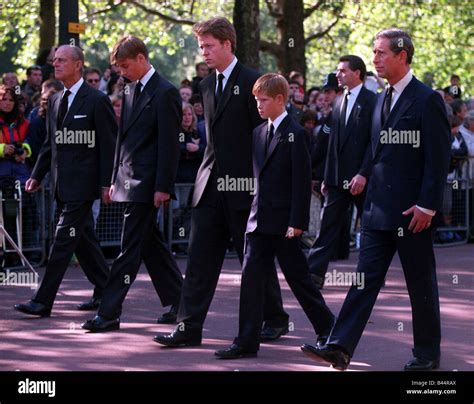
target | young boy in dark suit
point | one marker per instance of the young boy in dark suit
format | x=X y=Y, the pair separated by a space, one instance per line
x=279 y=214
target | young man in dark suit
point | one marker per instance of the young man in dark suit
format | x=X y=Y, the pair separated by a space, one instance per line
x=81 y=132
x=410 y=140
x=146 y=163
x=348 y=161
x=220 y=212
x=279 y=214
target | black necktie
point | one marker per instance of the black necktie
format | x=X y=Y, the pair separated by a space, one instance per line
x=270 y=133
x=137 y=92
x=344 y=109
x=386 y=105
x=220 y=78
x=63 y=109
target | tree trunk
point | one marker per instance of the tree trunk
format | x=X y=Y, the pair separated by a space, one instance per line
x=292 y=37
x=47 y=18
x=246 y=23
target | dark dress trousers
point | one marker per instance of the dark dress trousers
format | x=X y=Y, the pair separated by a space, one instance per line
x=401 y=176
x=349 y=153
x=79 y=165
x=221 y=214
x=146 y=161
x=282 y=199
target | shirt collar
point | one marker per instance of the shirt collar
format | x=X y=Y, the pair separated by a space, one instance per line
x=403 y=82
x=75 y=87
x=276 y=123
x=355 y=91
x=228 y=70
x=147 y=76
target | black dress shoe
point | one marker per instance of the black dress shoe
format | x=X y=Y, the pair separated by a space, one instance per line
x=92 y=304
x=170 y=317
x=101 y=324
x=234 y=352
x=328 y=353
x=321 y=340
x=33 y=308
x=422 y=364
x=177 y=339
x=272 y=333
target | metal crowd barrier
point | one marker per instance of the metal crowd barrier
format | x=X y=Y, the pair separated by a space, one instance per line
x=24 y=218
x=38 y=220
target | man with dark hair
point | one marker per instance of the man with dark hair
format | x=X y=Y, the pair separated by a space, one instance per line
x=34 y=77
x=92 y=77
x=220 y=212
x=80 y=168
x=348 y=162
x=454 y=89
x=459 y=109
x=145 y=167
x=202 y=71
x=410 y=141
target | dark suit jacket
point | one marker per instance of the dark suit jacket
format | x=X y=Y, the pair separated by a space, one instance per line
x=229 y=132
x=349 y=149
x=319 y=149
x=283 y=192
x=147 y=149
x=79 y=171
x=403 y=175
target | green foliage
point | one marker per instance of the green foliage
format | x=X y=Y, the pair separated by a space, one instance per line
x=442 y=32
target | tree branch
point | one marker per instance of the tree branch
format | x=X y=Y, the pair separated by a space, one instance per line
x=270 y=47
x=321 y=33
x=160 y=14
x=112 y=6
x=312 y=9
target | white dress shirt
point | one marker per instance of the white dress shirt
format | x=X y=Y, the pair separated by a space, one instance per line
x=74 y=89
x=227 y=72
x=351 y=99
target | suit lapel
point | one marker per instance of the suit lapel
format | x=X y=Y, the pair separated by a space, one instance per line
x=76 y=104
x=144 y=98
x=354 y=115
x=276 y=138
x=259 y=144
x=405 y=100
x=229 y=88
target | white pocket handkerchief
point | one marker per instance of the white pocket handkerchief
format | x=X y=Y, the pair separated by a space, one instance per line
x=80 y=116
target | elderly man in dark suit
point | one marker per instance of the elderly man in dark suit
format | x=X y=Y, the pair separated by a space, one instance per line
x=348 y=161
x=220 y=209
x=410 y=158
x=78 y=151
x=146 y=163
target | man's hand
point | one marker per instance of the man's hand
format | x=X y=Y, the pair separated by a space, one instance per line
x=357 y=184
x=105 y=196
x=8 y=149
x=192 y=147
x=111 y=191
x=324 y=190
x=20 y=158
x=160 y=197
x=31 y=185
x=293 y=232
x=420 y=221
